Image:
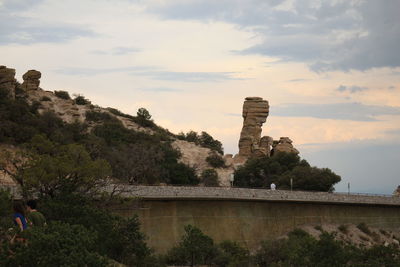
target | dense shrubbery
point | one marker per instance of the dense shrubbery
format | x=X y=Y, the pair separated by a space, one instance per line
x=280 y=169
x=209 y=177
x=204 y=140
x=80 y=232
x=216 y=161
x=62 y=94
x=301 y=249
x=81 y=100
x=196 y=248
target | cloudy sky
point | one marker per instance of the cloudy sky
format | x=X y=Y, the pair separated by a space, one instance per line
x=329 y=69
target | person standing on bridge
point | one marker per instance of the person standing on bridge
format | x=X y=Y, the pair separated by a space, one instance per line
x=273 y=186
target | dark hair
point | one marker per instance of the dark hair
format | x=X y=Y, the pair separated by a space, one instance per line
x=19 y=207
x=31 y=204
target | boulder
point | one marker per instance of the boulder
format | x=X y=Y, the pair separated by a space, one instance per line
x=31 y=80
x=285 y=145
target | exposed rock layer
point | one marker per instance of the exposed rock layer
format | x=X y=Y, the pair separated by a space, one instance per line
x=255 y=113
x=7 y=80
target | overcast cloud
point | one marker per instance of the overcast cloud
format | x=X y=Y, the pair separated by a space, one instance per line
x=327 y=35
x=338 y=111
x=18 y=28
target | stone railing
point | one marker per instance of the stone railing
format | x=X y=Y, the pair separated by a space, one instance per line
x=229 y=193
x=246 y=194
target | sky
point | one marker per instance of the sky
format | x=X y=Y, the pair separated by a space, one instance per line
x=329 y=69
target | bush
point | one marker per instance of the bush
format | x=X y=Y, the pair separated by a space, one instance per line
x=45 y=98
x=97 y=116
x=58 y=244
x=343 y=228
x=216 y=161
x=364 y=228
x=81 y=100
x=231 y=254
x=195 y=248
x=209 y=177
x=62 y=95
x=117 y=238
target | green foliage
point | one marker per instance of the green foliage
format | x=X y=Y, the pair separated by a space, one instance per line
x=301 y=249
x=209 y=177
x=208 y=141
x=81 y=100
x=57 y=169
x=364 y=228
x=195 y=248
x=144 y=114
x=97 y=116
x=117 y=238
x=58 y=244
x=62 y=95
x=216 y=161
x=231 y=254
x=153 y=160
x=143 y=118
x=119 y=113
x=280 y=169
x=5 y=212
x=204 y=140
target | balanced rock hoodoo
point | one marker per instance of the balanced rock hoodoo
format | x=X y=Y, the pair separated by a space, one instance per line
x=31 y=80
x=251 y=144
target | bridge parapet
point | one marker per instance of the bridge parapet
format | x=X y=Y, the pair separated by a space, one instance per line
x=233 y=193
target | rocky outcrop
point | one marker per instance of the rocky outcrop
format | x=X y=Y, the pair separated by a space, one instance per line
x=285 y=145
x=31 y=80
x=255 y=113
x=251 y=144
x=7 y=80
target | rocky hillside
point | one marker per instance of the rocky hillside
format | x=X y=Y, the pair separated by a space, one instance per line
x=82 y=110
x=360 y=235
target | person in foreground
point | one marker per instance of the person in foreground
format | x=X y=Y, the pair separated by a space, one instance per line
x=19 y=216
x=35 y=218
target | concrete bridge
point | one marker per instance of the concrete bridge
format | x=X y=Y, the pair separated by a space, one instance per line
x=249 y=216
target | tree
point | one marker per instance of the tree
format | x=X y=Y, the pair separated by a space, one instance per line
x=231 y=254
x=209 y=177
x=143 y=114
x=58 y=169
x=215 y=160
x=208 y=141
x=139 y=163
x=195 y=248
x=280 y=169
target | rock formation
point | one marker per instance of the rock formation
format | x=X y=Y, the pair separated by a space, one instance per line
x=251 y=144
x=7 y=80
x=285 y=145
x=255 y=113
x=31 y=80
